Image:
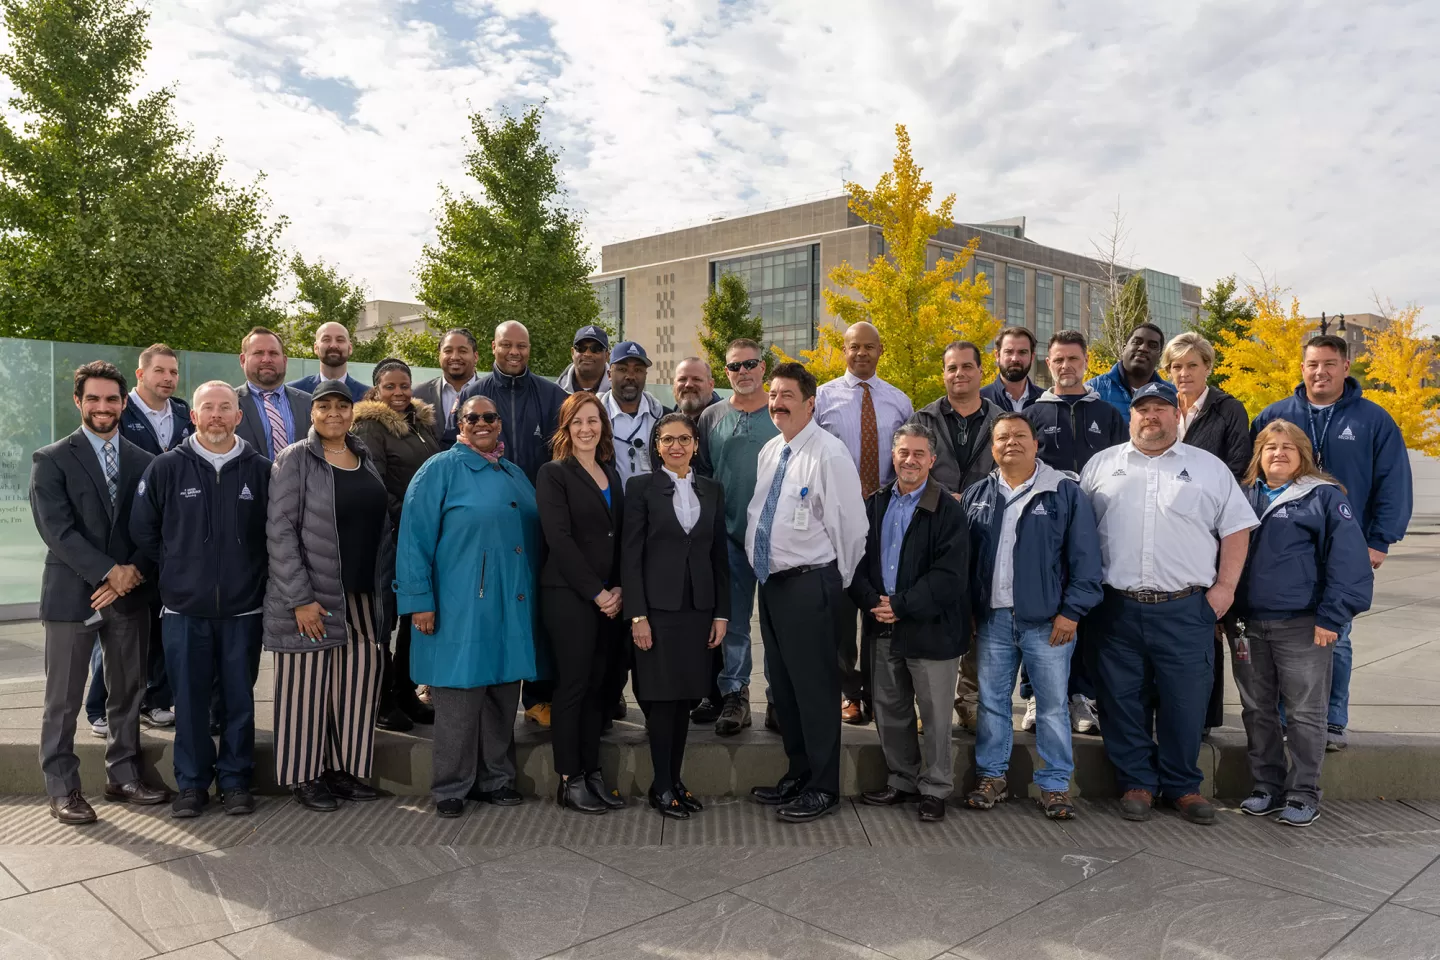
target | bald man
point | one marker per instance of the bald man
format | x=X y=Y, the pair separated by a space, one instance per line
x=333 y=349
x=863 y=412
x=529 y=405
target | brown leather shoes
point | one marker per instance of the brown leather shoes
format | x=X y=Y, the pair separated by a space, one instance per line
x=73 y=809
x=136 y=792
x=1136 y=804
x=1195 y=808
x=850 y=712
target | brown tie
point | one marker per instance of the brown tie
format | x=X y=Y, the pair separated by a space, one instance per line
x=869 y=445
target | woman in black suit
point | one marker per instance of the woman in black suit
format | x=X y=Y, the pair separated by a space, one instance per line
x=676 y=576
x=582 y=508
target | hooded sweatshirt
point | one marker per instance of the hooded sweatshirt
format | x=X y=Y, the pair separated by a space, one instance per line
x=1071 y=430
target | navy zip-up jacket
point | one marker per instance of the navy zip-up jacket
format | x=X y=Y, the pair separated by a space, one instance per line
x=1363 y=449
x=1071 y=433
x=1307 y=556
x=138 y=430
x=995 y=393
x=206 y=531
x=529 y=408
x=1114 y=388
x=1057 y=548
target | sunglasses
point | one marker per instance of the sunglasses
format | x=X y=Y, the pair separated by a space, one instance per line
x=489 y=416
x=739 y=365
x=589 y=346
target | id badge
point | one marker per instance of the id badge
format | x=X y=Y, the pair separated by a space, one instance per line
x=802 y=517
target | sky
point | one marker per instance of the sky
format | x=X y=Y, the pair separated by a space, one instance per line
x=1292 y=141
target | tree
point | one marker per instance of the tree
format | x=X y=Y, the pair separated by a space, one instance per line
x=1222 y=311
x=1262 y=363
x=513 y=252
x=917 y=310
x=113 y=228
x=1129 y=309
x=322 y=296
x=1112 y=248
x=1400 y=366
x=726 y=317
x=419 y=348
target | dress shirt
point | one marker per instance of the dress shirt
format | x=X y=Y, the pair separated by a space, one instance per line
x=1002 y=581
x=898 y=514
x=1013 y=404
x=687 y=504
x=1187 y=417
x=630 y=429
x=98 y=445
x=1160 y=518
x=282 y=399
x=835 y=527
x=837 y=411
x=449 y=396
x=162 y=420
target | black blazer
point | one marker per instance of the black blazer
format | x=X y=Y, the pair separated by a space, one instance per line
x=660 y=555
x=582 y=534
x=86 y=535
x=253 y=419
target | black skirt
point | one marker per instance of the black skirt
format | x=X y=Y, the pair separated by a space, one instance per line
x=678 y=665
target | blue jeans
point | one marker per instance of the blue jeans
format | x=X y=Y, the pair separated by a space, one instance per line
x=1005 y=643
x=1342 y=660
x=736 y=672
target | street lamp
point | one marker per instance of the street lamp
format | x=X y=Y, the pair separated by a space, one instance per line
x=1325 y=323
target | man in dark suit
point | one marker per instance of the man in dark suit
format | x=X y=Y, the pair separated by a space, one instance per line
x=333 y=349
x=1014 y=355
x=273 y=416
x=459 y=352
x=94 y=585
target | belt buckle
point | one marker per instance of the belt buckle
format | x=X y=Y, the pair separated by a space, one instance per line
x=1146 y=595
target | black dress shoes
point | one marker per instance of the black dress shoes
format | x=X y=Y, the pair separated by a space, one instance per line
x=669 y=805
x=347 y=787
x=888 y=797
x=315 y=795
x=707 y=712
x=395 y=720
x=782 y=792
x=606 y=795
x=686 y=798
x=73 y=809
x=450 y=809
x=136 y=792
x=503 y=797
x=575 y=794
x=932 y=809
x=810 y=805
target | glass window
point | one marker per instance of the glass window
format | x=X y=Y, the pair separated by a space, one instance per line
x=784 y=291
x=1071 y=317
x=1015 y=296
x=611 y=294
x=988 y=269
x=1044 y=307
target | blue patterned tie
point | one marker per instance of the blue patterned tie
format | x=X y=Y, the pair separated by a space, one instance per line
x=112 y=471
x=767 y=519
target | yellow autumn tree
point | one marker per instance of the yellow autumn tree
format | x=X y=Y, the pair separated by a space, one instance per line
x=917 y=309
x=1261 y=364
x=1399 y=364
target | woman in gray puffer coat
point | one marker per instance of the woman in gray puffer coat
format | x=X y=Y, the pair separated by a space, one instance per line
x=332 y=558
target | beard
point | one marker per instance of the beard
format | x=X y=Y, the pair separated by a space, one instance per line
x=1015 y=373
x=333 y=358
x=629 y=392
x=90 y=424
x=690 y=404
x=216 y=437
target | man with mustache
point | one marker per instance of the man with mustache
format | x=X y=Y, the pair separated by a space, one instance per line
x=459 y=352
x=273 y=415
x=694 y=387
x=633 y=413
x=1014 y=356
x=587 y=370
x=333 y=349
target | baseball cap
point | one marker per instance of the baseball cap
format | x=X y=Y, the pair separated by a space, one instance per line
x=592 y=333
x=629 y=350
x=329 y=388
x=1160 y=390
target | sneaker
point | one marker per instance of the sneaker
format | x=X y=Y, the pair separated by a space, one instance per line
x=734 y=713
x=100 y=728
x=705 y=712
x=188 y=804
x=157 y=717
x=540 y=713
x=238 y=802
x=1082 y=714
x=1261 y=804
x=988 y=792
x=1028 y=723
x=1298 y=813
x=1335 y=738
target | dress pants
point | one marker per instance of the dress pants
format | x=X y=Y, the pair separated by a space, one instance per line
x=158 y=693
x=855 y=663
x=1154 y=670
x=68 y=644
x=916 y=765
x=199 y=652
x=1285 y=663
x=584 y=641
x=800 y=629
x=474 y=739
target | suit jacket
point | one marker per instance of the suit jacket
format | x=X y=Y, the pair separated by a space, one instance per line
x=255 y=426
x=582 y=534
x=660 y=556
x=86 y=534
x=138 y=429
x=429 y=392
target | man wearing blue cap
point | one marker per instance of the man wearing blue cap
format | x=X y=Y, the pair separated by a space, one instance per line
x=632 y=411
x=588 y=355
x=1174 y=530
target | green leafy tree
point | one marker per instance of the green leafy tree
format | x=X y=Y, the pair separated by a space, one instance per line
x=419 y=348
x=514 y=251
x=113 y=227
x=1223 y=311
x=1129 y=309
x=322 y=295
x=725 y=317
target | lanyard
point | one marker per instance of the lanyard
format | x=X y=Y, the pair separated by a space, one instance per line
x=633 y=445
x=1317 y=440
x=1020 y=492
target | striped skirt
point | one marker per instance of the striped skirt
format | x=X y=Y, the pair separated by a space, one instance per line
x=326 y=702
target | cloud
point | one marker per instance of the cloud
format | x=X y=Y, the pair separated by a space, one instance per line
x=1301 y=137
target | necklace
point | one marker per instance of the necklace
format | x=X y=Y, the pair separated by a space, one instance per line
x=341 y=449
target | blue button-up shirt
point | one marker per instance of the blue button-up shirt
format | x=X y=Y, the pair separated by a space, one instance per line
x=892 y=532
x=97 y=444
x=286 y=414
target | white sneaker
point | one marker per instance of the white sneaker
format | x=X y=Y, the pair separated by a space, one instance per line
x=101 y=728
x=157 y=717
x=1082 y=714
x=1028 y=723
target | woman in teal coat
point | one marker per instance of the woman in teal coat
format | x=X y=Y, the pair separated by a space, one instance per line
x=465 y=570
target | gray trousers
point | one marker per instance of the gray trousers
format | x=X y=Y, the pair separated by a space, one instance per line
x=1285 y=665
x=474 y=739
x=915 y=766
x=68 y=645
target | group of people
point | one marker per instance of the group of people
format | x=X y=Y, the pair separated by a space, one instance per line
x=538 y=545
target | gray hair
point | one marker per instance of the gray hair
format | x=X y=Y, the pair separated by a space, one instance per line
x=913 y=429
x=195 y=397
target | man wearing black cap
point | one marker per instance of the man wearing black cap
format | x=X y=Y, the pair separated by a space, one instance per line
x=587 y=362
x=1174 y=530
x=632 y=411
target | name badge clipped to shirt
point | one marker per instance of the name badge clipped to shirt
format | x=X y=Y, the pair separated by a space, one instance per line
x=802 y=512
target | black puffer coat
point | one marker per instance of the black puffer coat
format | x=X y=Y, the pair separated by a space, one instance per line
x=1222 y=428
x=400 y=443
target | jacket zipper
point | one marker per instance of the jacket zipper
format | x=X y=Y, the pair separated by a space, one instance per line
x=1075 y=434
x=484 y=560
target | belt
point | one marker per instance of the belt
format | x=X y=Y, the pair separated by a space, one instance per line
x=1158 y=596
x=796 y=571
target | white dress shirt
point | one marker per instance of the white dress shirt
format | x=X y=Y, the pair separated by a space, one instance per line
x=687 y=504
x=162 y=420
x=1187 y=417
x=1161 y=518
x=837 y=411
x=449 y=396
x=833 y=516
x=1002 y=580
x=632 y=433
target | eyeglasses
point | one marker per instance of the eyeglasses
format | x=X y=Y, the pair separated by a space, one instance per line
x=489 y=416
x=739 y=365
x=589 y=346
x=684 y=440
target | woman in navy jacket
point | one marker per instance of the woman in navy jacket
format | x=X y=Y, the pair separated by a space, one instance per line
x=1307 y=575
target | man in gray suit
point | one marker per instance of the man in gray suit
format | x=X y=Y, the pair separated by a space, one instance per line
x=94 y=585
x=273 y=416
x=459 y=352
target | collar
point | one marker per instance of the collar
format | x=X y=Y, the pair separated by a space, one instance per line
x=912 y=497
x=806 y=434
x=854 y=381
x=1199 y=403
x=1297 y=490
x=649 y=406
x=507 y=379
x=474 y=377
x=137 y=402
x=674 y=478
x=948 y=409
x=255 y=388
x=1128 y=449
x=1050 y=396
x=98 y=442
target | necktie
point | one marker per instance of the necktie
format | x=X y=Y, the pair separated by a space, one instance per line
x=112 y=470
x=279 y=440
x=869 y=444
x=767 y=519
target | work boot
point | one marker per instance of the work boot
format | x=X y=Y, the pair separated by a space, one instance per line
x=734 y=713
x=1195 y=808
x=988 y=792
x=1136 y=804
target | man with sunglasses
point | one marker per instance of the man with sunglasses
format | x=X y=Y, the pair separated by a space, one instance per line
x=587 y=362
x=633 y=412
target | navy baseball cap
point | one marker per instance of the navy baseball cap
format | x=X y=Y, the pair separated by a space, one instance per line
x=1158 y=389
x=629 y=350
x=592 y=333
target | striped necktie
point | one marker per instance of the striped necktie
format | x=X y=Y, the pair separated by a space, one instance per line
x=767 y=519
x=112 y=470
x=279 y=439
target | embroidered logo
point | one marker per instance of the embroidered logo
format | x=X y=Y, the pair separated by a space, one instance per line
x=1040 y=511
x=1184 y=476
x=1050 y=430
x=1282 y=513
x=537 y=429
x=1344 y=509
x=1094 y=427
x=190 y=493
x=1346 y=434
x=245 y=493
x=136 y=426
x=140 y=490
x=1119 y=473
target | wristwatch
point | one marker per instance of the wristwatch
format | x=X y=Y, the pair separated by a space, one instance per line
x=638 y=619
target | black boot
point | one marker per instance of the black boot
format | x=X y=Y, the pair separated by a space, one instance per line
x=611 y=798
x=575 y=794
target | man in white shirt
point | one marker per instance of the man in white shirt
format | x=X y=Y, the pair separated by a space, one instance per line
x=1164 y=510
x=633 y=412
x=862 y=412
x=805 y=534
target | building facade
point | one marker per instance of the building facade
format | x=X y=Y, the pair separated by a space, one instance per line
x=653 y=288
x=1356 y=326
x=375 y=315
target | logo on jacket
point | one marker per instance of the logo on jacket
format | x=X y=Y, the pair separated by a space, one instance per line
x=245 y=493
x=1040 y=511
x=1346 y=434
x=1184 y=476
x=1282 y=513
x=189 y=493
x=140 y=490
x=136 y=426
x=1119 y=473
x=1344 y=509
x=1094 y=427
x=1050 y=430
x=537 y=429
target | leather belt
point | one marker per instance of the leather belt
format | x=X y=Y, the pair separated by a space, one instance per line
x=796 y=571
x=1159 y=596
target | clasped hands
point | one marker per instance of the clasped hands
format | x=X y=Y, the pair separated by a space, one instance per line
x=122 y=578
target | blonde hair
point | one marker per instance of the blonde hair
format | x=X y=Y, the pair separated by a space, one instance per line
x=1288 y=431
x=1183 y=344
